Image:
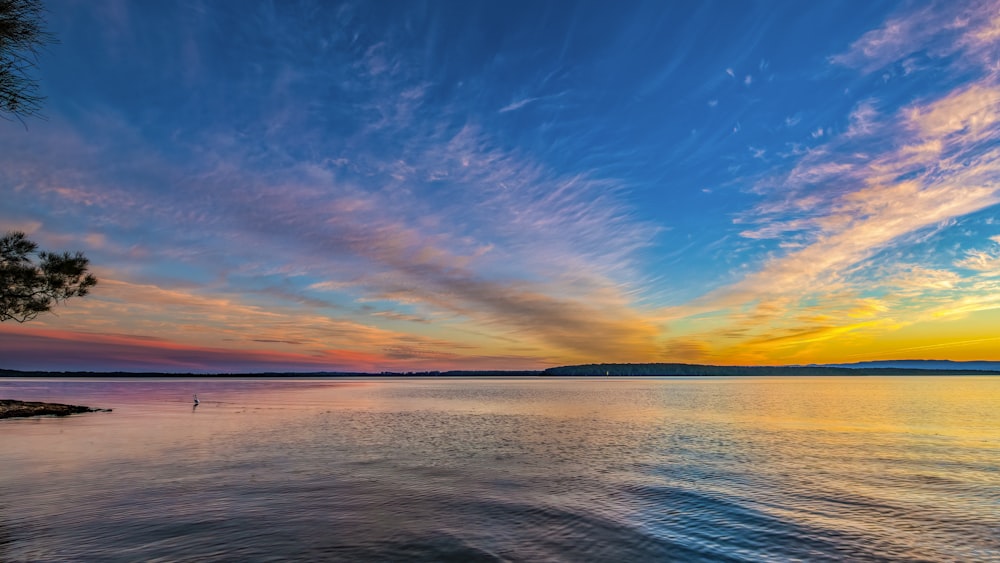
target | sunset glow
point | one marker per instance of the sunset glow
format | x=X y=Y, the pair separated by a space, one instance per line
x=492 y=185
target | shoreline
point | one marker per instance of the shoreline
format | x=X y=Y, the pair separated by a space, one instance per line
x=10 y=408
x=591 y=370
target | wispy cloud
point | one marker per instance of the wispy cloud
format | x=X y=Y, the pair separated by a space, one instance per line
x=938 y=29
x=985 y=260
x=876 y=186
x=517 y=104
x=863 y=119
x=446 y=224
x=522 y=102
x=360 y=185
x=66 y=350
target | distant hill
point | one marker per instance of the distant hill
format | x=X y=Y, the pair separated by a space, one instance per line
x=921 y=364
x=957 y=368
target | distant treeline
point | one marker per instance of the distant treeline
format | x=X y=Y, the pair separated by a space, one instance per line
x=696 y=369
x=634 y=370
x=460 y=373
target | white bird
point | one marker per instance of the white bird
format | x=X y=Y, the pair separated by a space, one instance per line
x=196 y=401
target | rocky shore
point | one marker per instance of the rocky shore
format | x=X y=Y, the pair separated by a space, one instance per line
x=11 y=409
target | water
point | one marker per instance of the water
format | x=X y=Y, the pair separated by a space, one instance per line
x=690 y=469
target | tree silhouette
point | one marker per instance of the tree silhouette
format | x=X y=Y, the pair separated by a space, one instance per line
x=22 y=34
x=28 y=289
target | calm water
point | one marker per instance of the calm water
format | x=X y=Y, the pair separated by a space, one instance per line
x=713 y=469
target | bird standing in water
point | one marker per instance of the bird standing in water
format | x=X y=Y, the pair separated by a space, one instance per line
x=196 y=401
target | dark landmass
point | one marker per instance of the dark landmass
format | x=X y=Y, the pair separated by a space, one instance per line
x=12 y=409
x=903 y=367
x=697 y=369
x=922 y=365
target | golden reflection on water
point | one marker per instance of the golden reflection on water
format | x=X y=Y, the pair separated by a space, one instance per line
x=957 y=407
x=959 y=410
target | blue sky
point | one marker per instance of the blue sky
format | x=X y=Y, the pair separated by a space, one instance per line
x=410 y=186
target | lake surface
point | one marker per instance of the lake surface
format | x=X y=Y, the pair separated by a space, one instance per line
x=684 y=469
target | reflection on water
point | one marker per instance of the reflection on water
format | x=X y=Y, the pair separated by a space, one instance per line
x=707 y=469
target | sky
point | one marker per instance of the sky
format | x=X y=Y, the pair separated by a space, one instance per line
x=412 y=186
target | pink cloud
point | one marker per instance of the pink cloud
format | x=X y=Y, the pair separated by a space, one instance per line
x=61 y=350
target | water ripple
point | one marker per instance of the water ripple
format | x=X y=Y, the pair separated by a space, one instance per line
x=518 y=470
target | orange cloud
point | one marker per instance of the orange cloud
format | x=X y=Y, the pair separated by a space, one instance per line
x=841 y=207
